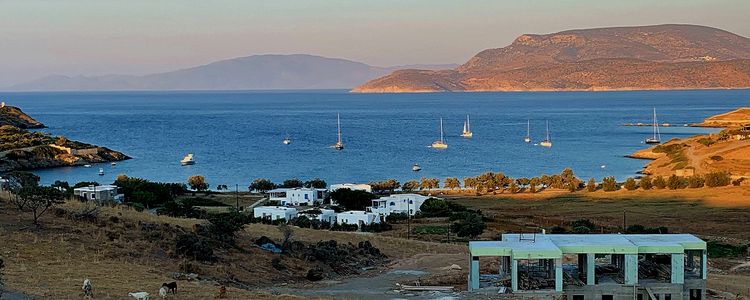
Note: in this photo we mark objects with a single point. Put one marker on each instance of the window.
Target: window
(696, 294)
(607, 297)
(667, 296)
(640, 296)
(93, 195)
(393, 203)
(578, 297)
(411, 202)
(307, 197)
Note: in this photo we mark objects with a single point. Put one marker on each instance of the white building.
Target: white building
(102, 193)
(327, 215)
(273, 213)
(397, 203)
(352, 186)
(297, 196)
(357, 217)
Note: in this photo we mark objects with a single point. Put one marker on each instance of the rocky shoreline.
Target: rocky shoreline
(21, 149)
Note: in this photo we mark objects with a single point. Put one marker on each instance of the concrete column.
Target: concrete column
(590, 269)
(558, 275)
(474, 273)
(678, 268)
(704, 266)
(514, 275)
(631, 269)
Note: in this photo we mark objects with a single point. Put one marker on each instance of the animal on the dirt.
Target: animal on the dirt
(163, 292)
(88, 291)
(171, 287)
(140, 295)
(222, 292)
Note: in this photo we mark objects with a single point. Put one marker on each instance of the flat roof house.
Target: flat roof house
(322, 214)
(273, 213)
(397, 203)
(594, 266)
(101, 193)
(352, 186)
(297, 196)
(357, 217)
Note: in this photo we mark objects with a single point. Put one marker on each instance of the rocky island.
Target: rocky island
(658, 57)
(21, 149)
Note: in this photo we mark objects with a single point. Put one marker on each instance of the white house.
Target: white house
(273, 213)
(99, 193)
(352, 186)
(357, 217)
(327, 215)
(397, 203)
(297, 196)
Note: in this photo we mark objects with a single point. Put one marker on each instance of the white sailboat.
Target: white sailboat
(528, 132)
(416, 168)
(656, 139)
(101, 172)
(286, 140)
(187, 160)
(440, 144)
(339, 144)
(547, 142)
(467, 129)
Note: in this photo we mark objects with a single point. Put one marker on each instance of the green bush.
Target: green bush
(659, 182)
(558, 230)
(716, 179)
(630, 184)
(716, 158)
(583, 223)
(646, 183)
(591, 185)
(581, 230)
(471, 225)
(706, 141)
(192, 246)
(676, 182)
(302, 222)
(640, 229)
(609, 184)
(352, 200)
(719, 249)
(695, 181)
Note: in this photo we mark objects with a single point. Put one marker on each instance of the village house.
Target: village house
(593, 266)
(397, 203)
(357, 217)
(297, 196)
(273, 213)
(352, 186)
(101, 193)
(323, 215)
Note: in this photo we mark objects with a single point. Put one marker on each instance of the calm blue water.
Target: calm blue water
(236, 136)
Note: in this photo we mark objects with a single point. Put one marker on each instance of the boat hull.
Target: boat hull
(546, 144)
(187, 163)
(439, 145)
(467, 135)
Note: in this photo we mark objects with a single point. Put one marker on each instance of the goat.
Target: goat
(163, 292)
(139, 295)
(172, 287)
(87, 289)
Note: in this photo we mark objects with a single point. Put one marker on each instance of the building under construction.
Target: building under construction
(591, 266)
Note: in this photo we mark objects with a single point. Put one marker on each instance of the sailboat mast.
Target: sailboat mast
(441, 129)
(468, 124)
(528, 128)
(548, 130)
(656, 127)
(338, 125)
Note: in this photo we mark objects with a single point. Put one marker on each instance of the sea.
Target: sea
(236, 136)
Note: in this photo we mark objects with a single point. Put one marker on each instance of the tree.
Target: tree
(316, 183)
(39, 199)
(410, 186)
(146, 198)
(452, 183)
(292, 183)
(609, 184)
(591, 185)
(220, 187)
(388, 185)
(429, 183)
(198, 183)
(676, 182)
(435, 207)
(646, 183)
(630, 184)
(352, 200)
(695, 181)
(533, 183)
(659, 182)
(523, 181)
(513, 187)
(262, 185)
(469, 182)
(716, 179)
(471, 225)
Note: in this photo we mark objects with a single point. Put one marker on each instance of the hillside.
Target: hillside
(257, 72)
(737, 117)
(14, 116)
(621, 58)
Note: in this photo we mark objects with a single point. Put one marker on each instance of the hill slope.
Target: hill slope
(297, 71)
(14, 116)
(621, 58)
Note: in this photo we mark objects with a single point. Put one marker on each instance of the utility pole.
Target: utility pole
(237, 195)
(408, 221)
(624, 221)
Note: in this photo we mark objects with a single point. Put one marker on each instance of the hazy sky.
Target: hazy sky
(94, 37)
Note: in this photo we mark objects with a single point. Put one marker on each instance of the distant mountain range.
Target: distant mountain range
(257, 72)
(620, 58)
